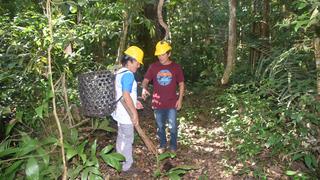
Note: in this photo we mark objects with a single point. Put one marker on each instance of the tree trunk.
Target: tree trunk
(254, 54)
(123, 38)
(260, 31)
(160, 19)
(231, 43)
(145, 39)
(317, 58)
(54, 110)
(265, 31)
(2, 135)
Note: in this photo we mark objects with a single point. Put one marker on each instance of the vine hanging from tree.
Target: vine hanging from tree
(160, 19)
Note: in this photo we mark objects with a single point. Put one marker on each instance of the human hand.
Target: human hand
(145, 93)
(139, 105)
(178, 105)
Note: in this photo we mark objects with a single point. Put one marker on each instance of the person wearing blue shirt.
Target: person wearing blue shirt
(126, 88)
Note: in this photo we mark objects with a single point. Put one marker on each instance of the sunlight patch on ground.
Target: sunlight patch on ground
(201, 138)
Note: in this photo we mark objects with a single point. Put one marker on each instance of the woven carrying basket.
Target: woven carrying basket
(97, 93)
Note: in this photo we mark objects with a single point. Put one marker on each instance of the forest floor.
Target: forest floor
(204, 153)
(201, 145)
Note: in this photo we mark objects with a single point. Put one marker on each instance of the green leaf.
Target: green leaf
(308, 161)
(32, 169)
(9, 177)
(93, 149)
(39, 111)
(71, 152)
(83, 157)
(93, 176)
(5, 145)
(174, 176)
(80, 148)
(74, 136)
(73, 9)
(91, 170)
(106, 149)
(9, 151)
(300, 24)
(178, 171)
(166, 155)
(313, 161)
(44, 155)
(19, 115)
(85, 174)
(302, 5)
(157, 173)
(81, 2)
(28, 146)
(74, 173)
(49, 140)
(45, 106)
(272, 140)
(94, 170)
(297, 156)
(49, 94)
(117, 156)
(291, 173)
(12, 169)
(9, 127)
(90, 163)
(112, 161)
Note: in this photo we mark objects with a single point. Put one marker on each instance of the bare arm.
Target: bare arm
(145, 91)
(181, 94)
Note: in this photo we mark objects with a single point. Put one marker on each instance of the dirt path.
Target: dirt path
(200, 146)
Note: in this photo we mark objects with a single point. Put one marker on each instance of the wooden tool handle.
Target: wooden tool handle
(151, 147)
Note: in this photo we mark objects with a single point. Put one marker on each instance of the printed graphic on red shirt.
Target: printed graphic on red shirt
(164, 77)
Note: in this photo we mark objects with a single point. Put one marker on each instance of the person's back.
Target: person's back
(124, 81)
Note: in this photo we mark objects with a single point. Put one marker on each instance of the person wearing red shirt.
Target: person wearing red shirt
(165, 75)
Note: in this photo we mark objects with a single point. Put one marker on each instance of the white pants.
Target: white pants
(124, 144)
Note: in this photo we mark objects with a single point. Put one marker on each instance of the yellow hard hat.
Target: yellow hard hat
(135, 52)
(162, 47)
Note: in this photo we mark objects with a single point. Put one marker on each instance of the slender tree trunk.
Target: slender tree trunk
(260, 31)
(265, 31)
(66, 99)
(123, 38)
(160, 19)
(2, 135)
(65, 168)
(231, 43)
(317, 58)
(265, 27)
(147, 40)
(256, 31)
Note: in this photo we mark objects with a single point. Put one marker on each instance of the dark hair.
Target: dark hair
(125, 59)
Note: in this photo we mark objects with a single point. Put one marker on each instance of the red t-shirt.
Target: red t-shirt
(165, 79)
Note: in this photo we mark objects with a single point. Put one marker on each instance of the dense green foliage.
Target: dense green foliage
(268, 109)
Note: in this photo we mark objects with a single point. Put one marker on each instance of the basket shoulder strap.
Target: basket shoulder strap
(121, 95)
(122, 72)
